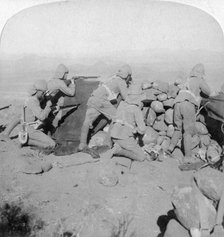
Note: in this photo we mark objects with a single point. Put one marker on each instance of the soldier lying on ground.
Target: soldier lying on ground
(101, 98)
(186, 104)
(33, 115)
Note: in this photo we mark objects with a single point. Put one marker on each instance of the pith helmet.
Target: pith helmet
(124, 71)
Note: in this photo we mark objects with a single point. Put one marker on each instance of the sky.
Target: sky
(99, 27)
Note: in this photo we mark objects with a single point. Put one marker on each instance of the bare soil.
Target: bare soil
(72, 197)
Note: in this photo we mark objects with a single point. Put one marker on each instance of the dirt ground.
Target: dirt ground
(73, 195)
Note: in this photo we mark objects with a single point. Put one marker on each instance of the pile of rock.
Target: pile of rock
(158, 113)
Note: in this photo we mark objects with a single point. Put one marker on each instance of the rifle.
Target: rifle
(84, 77)
(56, 109)
(67, 82)
(5, 107)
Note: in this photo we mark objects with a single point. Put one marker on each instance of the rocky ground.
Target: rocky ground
(87, 197)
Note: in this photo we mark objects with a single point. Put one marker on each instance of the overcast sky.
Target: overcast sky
(98, 27)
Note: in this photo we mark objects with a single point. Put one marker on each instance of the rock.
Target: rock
(186, 202)
(108, 178)
(157, 106)
(169, 116)
(98, 220)
(170, 130)
(151, 94)
(151, 117)
(175, 229)
(201, 128)
(162, 97)
(46, 166)
(146, 85)
(195, 141)
(161, 86)
(168, 103)
(161, 117)
(162, 133)
(150, 136)
(160, 126)
(145, 111)
(201, 118)
(123, 161)
(213, 154)
(210, 182)
(173, 91)
(99, 139)
(178, 154)
(160, 139)
(205, 139)
(215, 143)
(165, 144)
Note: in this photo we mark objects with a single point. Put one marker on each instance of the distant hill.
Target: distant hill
(150, 64)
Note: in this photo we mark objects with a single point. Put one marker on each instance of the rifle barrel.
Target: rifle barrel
(5, 107)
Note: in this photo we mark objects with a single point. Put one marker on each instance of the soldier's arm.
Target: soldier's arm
(122, 89)
(67, 90)
(39, 113)
(205, 88)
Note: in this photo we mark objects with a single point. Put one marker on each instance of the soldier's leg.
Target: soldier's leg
(39, 139)
(91, 116)
(130, 149)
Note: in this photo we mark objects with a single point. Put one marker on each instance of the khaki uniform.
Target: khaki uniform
(129, 120)
(100, 103)
(33, 112)
(186, 105)
(56, 85)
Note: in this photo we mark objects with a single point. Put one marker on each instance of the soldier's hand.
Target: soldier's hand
(72, 80)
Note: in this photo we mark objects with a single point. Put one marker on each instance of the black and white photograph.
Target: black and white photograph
(111, 118)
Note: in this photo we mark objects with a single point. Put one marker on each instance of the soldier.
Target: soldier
(186, 104)
(128, 122)
(101, 98)
(57, 83)
(58, 87)
(33, 116)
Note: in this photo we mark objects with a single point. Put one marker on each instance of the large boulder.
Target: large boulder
(165, 144)
(170, 130)
(201, 128)
(100, 139)
(160, 126)
(161, 86)
(150, 136)
(162, 97)
(173, 91)
(178, 155)
(168, 103)
(175, 229)
(169, 116)
(189, 203)
(210, 182)
(213, 153)
(151, 117)
(157, 106)
(205, 139)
